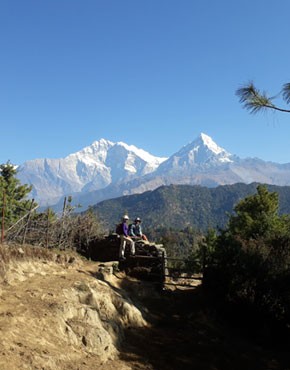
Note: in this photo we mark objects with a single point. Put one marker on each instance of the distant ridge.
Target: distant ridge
(106, 170)
(184, 206)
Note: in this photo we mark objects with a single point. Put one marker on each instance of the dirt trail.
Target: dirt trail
(67, 316)
(185, 335)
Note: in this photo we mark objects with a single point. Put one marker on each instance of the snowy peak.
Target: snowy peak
(98, 151)
(210, 144)
(94, 167)
(203, 151)
(206, 150)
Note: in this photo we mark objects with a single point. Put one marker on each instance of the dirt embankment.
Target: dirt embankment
(58, 312)
(57, 315)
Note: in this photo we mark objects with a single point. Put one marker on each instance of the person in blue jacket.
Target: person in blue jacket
(135, 229)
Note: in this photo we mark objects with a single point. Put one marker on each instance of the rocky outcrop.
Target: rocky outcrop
(60, 316)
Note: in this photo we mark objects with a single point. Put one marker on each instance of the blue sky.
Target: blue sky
(153, 73)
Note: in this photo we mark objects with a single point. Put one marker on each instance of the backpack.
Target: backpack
(119, 229)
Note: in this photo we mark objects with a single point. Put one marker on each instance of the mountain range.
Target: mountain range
(106, 170)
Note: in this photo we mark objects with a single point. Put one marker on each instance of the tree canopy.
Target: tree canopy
(256, 215)
(248, 270)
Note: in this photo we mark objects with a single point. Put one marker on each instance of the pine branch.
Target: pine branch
(286, 92)
(255, 101)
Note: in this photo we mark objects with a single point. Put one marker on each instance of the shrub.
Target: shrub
(249, 269)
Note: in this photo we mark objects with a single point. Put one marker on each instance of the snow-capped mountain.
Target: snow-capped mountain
(92, 168)
(107, 170)
(203, 162)
(201, 153)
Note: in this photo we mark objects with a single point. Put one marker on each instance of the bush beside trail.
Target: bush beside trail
(248, 273)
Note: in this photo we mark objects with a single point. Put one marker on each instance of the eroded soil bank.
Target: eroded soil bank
(58, 315)
(63, 313)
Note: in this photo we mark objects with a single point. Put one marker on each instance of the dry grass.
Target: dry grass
(14, 252)
(17, 252)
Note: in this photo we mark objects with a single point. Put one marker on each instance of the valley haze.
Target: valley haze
(106, 170)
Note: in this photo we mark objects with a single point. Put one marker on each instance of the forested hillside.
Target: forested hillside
(184, 206)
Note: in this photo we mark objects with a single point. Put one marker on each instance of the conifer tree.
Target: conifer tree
(13, 195)
(257, 215)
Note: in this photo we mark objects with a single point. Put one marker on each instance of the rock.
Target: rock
(106, 270)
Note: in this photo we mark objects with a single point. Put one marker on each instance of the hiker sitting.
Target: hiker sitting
(135, 230)
(125, 238)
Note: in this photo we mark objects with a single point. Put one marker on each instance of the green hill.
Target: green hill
(183, 206)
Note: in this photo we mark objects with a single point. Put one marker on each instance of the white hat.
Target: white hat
(125, 217)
